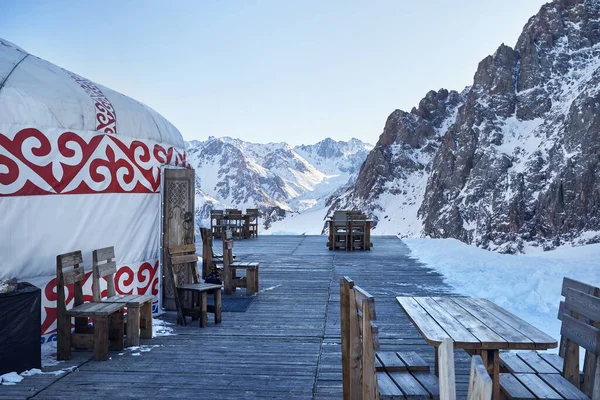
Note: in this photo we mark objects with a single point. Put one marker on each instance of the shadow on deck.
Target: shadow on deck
(286, 345)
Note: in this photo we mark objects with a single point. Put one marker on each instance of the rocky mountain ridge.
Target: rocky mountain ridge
(511, 161)
(277, 178)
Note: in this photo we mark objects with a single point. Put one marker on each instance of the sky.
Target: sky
(274, 70)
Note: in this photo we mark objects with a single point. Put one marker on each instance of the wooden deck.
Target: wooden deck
(286, 345)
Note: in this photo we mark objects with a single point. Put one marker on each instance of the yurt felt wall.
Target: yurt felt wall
(80, 169)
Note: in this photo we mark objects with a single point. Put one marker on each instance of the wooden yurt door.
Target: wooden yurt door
(178, 221)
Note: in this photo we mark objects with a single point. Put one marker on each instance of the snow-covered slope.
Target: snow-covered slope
(534, 279)
(279, 179)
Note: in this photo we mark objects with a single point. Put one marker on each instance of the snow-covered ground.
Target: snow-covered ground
(527, 285)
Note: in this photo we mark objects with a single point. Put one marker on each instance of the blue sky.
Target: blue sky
(273, 70)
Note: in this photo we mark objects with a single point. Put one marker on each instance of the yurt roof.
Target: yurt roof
(36, 93)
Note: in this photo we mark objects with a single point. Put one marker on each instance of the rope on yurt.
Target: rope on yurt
(12, 70)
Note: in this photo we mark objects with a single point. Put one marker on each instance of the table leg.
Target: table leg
(491, 359)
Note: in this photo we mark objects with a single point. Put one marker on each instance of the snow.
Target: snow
(161, 328)
(528, 285)
(11, 378)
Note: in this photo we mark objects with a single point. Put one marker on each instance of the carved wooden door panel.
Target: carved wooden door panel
(178, 222)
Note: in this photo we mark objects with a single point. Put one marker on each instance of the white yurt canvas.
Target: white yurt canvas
(80, 169)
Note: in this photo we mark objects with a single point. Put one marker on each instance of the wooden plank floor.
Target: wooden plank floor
(286, 345)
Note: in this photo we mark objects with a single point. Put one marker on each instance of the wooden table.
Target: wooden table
(233, 221)
(476, 325)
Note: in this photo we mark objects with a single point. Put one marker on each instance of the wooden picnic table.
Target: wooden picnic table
(477, 326)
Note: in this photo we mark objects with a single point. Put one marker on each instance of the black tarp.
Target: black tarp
(20, 329)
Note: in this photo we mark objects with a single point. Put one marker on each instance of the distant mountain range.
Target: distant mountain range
(510, 162)
(280, 179)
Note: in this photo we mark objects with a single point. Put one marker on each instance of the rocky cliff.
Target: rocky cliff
(510, 162)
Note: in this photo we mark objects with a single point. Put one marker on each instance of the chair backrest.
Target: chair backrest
(360, 340)
(216, 213)
(340, 218)
(580, 316)
(207, 251)
(179, 257)
(68, 271)
(252, 213)
(103, 265)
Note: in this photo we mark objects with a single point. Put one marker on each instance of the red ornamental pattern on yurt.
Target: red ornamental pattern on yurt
(105, 115)
(33, 164)
(127, 282)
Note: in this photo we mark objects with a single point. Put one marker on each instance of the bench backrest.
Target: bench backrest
(68, 271)
(182, 256)
(233, 211)
(103, 265)
(360, 341)
(580, 317)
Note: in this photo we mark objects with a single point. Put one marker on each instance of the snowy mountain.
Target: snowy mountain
(279, 179)
(510, 162)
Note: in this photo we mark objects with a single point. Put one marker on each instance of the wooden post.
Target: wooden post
(133, 325)
(116, 331)
(63, 322)
(146, 320)
(176, 293)
(369, 376)
(217, 306)
(345, 285)
(571, 364)
(446, 364)
(480, 383)
(355, 349)
(204, 310)
(101, 338)
(226, 269)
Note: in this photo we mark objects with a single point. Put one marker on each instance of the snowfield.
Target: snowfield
(527, 285)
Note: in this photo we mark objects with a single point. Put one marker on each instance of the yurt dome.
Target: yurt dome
(38, 93)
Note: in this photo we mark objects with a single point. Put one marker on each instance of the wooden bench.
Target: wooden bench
(108, 324)
(370, 374)
(540, 375)
(230, 278)
(191, 297)
(138, 320)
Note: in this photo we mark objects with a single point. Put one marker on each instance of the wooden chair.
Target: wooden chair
(235, 222)
(108, 325)
(195, 303)
(216, 222)
(357, 226)
(368, 374)
(230, 267)
(340, 230)
(532, 374)
(139, 307)
(253, 215)
(211, 261)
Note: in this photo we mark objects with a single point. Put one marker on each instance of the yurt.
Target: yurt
(82, 167)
